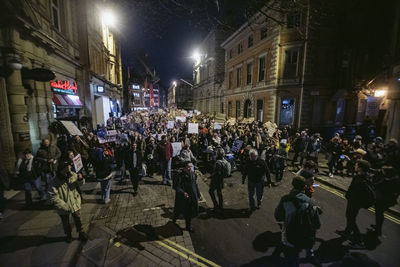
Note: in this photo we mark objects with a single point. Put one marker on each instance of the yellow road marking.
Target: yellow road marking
(333, 191)
(189, 251)
(181, 254)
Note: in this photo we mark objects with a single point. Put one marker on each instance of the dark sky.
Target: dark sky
(169, 51)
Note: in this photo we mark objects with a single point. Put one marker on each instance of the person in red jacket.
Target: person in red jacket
(165, 153)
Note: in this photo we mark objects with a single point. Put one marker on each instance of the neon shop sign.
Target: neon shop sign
(64, 87)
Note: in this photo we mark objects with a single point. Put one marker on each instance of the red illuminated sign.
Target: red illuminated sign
(64, 87)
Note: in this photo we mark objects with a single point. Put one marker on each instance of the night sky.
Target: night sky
(168, 44)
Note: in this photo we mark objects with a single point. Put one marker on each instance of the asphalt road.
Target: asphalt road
(238, 238)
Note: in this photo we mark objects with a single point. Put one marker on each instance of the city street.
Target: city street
(137, 231)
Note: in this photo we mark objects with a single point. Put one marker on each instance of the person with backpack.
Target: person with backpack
(359, 195)
(222, 169)
(102, 166)
(255, 169)
(299, 220)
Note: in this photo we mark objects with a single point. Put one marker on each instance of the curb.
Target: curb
(390, 210)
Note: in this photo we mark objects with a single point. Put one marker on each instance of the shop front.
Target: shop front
(66, 101)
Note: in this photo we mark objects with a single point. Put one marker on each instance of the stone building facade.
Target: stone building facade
(208, 74)
(278, 73)
(46, 69)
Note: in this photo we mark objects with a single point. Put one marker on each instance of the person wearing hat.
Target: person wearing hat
(280, 160)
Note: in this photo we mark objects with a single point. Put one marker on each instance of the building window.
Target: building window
(230, 53)
(55, 14)
(263, 32)
(222, 107)
(230, 79)
(229, 109)
(291, 60)
(250, 41)
(247, 109)
(240, 48)
(261, 69)
(237, 108)
(293, 20)
(238, 77)
(249, 72)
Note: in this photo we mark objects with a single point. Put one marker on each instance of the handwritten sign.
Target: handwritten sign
(170, 125)
(193, 128)
(176, 148)
(78, 165)
(110, 136)
(71, 128)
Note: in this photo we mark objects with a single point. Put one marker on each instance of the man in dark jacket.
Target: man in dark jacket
(284, 214)
(217, 180)
(355, 196)
(165, 153)
(255, 169)
(187, 195)
(47, 157)
(134, 166)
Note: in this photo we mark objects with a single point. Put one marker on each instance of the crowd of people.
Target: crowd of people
(141, 145)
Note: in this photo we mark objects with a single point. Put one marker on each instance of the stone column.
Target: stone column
(18, 111)
(7, 155)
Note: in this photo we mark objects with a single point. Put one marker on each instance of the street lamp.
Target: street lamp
(108, 18)
(196, 56)
(380, 93)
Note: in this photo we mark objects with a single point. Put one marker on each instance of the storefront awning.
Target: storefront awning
(67, 100)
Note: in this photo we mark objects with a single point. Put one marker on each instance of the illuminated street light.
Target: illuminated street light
(174, 83)
(196, 56)
(108, 18)
(380, 93)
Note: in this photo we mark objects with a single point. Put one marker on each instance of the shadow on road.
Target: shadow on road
(140, 233)
(355, 259)
(266, 240)
(10, 244)
(225, 214)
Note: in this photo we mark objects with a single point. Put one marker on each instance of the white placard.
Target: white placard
(170, 125)
(217, 126)
(193, 128)
(78, 163)
(176, 147)
(71, 128)
(180, 118)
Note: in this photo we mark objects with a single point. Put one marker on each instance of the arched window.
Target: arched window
(247, 109)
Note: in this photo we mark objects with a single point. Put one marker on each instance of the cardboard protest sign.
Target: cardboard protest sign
(78, 165)
(176, 148)
(217, 126)
(71, 128)
(170, 125)
(193, 128)
(180, 118)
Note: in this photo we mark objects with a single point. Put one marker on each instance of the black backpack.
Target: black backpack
(301, 229)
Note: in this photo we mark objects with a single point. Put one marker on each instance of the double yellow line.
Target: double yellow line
(333, 191)
(185, 253)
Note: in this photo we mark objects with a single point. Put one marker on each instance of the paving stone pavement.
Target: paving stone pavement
(137, 230)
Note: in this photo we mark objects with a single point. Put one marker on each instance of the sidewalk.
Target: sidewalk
(128, 231)
(338, 182)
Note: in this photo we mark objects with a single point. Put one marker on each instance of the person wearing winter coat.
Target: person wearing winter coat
(134, 163)
(187, 196)
(103, 159)
(67, 200)
(27, 172)
(165, 153)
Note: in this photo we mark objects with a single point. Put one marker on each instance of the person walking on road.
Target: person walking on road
(187, 195)
(217, 180)
(165, 153)
(256, 170)
(297, 234)
(67, 200)
(104, 173)
(135, 161)
(358, 196)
